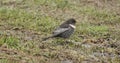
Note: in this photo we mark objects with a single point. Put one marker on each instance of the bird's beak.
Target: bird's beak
(72, 26)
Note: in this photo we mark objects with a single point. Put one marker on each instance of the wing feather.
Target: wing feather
(59, 31)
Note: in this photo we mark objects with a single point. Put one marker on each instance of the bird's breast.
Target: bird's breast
(72, 26)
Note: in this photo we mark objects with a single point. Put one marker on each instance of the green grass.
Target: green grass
(21, 18)
(8, 61)
(12, 42)
(23, 24)
(55, 3)
(96, 30)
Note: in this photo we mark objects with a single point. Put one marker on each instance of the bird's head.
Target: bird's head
(68, 23)
(71, 21)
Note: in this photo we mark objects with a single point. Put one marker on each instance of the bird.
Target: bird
(65, 30)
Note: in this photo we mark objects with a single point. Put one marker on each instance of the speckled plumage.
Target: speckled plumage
(64, 30)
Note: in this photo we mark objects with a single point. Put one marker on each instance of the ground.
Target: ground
(23, 24)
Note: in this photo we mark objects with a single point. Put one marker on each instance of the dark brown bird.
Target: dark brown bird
(64, 30)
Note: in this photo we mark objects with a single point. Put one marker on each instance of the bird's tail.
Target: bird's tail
(44, 39)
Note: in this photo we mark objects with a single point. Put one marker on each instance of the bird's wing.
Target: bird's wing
(59, 31)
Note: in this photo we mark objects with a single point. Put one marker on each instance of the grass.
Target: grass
(23, 24)
(26, 19)
(12, 42)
